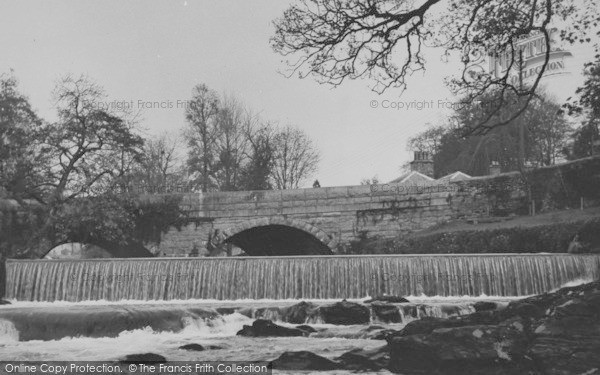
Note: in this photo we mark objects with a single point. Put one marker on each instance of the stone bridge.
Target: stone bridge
(310, 221)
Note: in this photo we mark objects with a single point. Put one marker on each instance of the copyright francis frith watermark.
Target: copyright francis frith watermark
(418, 278)
(412, 189)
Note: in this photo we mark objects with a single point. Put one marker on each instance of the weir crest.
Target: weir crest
(297, 277)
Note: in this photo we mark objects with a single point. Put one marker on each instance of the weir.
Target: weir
(295, 277)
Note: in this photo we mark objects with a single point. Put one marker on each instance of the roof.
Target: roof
(456, 176)
(412, 177)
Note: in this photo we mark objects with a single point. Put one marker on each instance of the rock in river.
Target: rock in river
(144, 358)
(199, 348)
(298, 313)
(302, 361)
(345, 313)
(551, 334)
(386, 312)
(386, 298)
(265, 328)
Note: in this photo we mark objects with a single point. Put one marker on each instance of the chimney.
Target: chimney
(423, 163)
(495, 168)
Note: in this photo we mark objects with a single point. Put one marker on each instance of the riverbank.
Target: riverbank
(555, 333)
(549, 232)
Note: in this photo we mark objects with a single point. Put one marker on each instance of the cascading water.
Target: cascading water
(302, 277)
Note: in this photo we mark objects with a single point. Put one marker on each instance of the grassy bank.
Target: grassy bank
(550, 233)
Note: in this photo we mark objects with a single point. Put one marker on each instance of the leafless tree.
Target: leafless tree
(429, 140)
(295, 160)
(383, 40)
(201, 134)
(256, 173)
(231, 144)
(85, 142)
(159, 168)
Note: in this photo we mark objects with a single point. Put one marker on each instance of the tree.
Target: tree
(336, 40)
(158, 170)
(428, 140)
(256, 174)
(21, 159)
(589, 93)
(587, 105)
(295, 160)
(85, 142)
(545, 130)
(584, 140)
(201, 134)
(548, 130)
(96, 220)
(233, 149)
(68, 166)
(231, 145)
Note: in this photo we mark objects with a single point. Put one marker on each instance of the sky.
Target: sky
(157, 51)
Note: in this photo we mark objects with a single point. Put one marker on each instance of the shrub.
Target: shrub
(554, 238)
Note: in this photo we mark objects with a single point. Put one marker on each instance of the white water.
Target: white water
(57, 285)
(422, 299)
(219, 332)
(330, 341)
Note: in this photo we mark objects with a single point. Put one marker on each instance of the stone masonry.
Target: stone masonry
(334, 215)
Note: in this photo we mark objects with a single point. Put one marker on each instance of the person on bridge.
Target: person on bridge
(316, 184)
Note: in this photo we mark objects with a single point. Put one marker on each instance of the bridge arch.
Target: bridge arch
(95, 249)
(279, 236)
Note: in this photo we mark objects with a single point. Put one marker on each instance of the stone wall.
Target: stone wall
(563, 186)
(339, 215)
(336, 215)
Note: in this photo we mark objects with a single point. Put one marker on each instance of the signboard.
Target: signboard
(533, 52)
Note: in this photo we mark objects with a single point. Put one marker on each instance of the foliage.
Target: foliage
(549, 188)
(553, 238)
(17, 227)
(92, 220)
(21, 161)
(86, 143)
(153, 217)
(157, 169)
(232, 149)
(583, 141)
(428, 140)
(545, 130)
(588, 94)
(256, 174)
(586, 138)
(120, 224)
(383, 41)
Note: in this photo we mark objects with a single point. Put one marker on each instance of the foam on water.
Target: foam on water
(250, 302)
(575, 282)
(216, 332)
(222, 326)
(8, 332)
(127, 342)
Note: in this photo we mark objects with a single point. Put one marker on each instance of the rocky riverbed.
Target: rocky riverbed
(554, 333)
